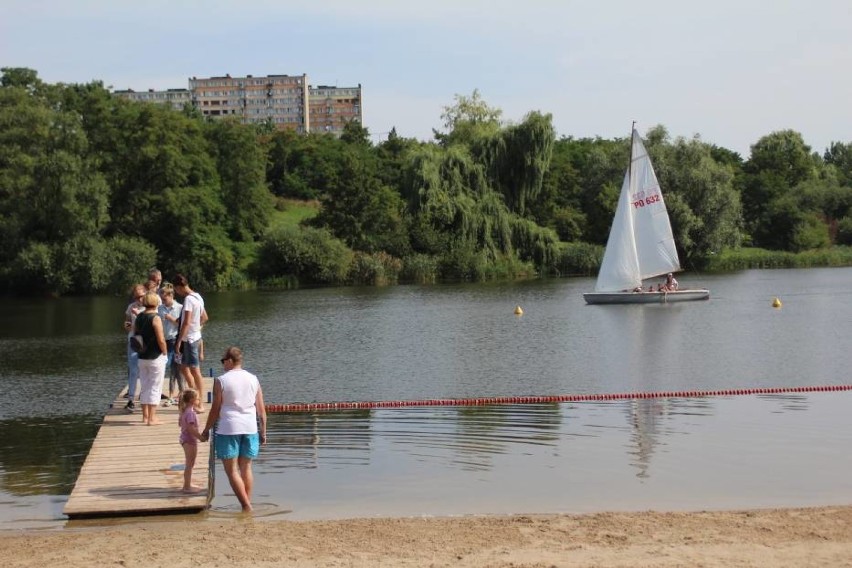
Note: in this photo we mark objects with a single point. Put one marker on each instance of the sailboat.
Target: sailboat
(640, 244)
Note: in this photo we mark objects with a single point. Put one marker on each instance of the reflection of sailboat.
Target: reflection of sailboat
(640, 242)
(645, 416)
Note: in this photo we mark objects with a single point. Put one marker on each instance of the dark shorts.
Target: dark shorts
(190, 354)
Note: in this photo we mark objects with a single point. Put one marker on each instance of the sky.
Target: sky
(729, 71)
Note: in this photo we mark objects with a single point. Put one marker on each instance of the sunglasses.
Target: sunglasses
(225, 359)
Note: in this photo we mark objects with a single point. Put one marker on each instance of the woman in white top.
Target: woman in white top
(671, 283)
(238, 406)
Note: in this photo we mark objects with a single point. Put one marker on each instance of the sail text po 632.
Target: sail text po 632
(649, 200)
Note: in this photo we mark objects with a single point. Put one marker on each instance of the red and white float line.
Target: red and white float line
(318, 406)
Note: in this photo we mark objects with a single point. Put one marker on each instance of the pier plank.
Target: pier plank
(135, 469)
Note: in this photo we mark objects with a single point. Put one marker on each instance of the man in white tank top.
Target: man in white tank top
(239, 409)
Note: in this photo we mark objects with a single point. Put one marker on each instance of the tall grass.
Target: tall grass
(746, 258)
(578, 259)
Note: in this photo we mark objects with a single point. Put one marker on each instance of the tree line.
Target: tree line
(96, 189)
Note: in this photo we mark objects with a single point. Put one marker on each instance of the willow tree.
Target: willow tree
(517, 157)
(449, 192)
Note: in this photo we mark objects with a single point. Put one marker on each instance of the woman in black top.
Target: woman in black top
(152, 359)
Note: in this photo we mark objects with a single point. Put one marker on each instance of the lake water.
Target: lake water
(63, 362)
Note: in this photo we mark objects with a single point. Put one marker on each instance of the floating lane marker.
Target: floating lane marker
(485, 401)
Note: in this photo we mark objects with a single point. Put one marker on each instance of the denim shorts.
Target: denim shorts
(189, 353)
(230, 446)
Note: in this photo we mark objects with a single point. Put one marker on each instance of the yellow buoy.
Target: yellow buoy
(776, 303)
(519, 311)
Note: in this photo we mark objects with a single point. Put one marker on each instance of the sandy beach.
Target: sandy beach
(781, 537)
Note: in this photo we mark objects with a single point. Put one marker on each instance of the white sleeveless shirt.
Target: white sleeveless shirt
(239, 393)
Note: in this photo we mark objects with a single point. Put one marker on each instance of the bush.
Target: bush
(81, 265)
(419, 269)
(87, 263)
(377, 269)
(33, 271)
(312, 255)
(844, 231)
(579, 259)
(810, 234)
(464, 263)
(129, 259)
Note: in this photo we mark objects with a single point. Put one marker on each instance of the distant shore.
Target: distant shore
(819, 536)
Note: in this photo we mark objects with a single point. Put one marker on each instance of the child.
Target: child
(170, 311)
(189, 436)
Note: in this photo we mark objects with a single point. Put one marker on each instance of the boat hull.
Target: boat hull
(646, 297)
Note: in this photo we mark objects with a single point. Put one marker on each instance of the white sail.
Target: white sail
(640, 243)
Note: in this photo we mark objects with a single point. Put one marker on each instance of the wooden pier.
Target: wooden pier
(135, 469)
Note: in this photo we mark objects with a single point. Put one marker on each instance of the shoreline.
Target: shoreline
(818, 536)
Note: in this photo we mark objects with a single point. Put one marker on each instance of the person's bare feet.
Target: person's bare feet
(192, 489)
(154, 423)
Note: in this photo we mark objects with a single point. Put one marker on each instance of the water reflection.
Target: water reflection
(301, 440)
(768, 450)
(463, 437)
(645, 417)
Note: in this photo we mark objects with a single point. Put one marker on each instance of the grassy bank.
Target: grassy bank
(748, 258)
(291, 212)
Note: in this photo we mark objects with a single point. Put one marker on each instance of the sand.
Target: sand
(765, 538)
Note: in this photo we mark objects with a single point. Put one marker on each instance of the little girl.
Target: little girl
(189, 436)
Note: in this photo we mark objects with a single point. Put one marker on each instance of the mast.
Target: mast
(630, 162)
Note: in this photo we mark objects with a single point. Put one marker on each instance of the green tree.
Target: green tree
(839, 156)
(392, 155)
(468, 120)
(354, 133)
(50, 191)
(165, 184)
(600, 166)
(193, 220)
(703, 203)
(443, 188)
(303, 166)
(362, 211)
(517, 157)
(779, 162)
(20, 77)
(559, 203)
(241, 164)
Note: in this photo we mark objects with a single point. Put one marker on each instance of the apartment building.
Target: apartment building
(279, 99)
(177, 98)
(332, 107)
(286, 101)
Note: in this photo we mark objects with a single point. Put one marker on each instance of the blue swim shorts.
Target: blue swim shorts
(189, 354)
(230, 446)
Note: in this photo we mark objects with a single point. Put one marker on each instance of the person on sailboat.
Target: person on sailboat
(671, 284)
